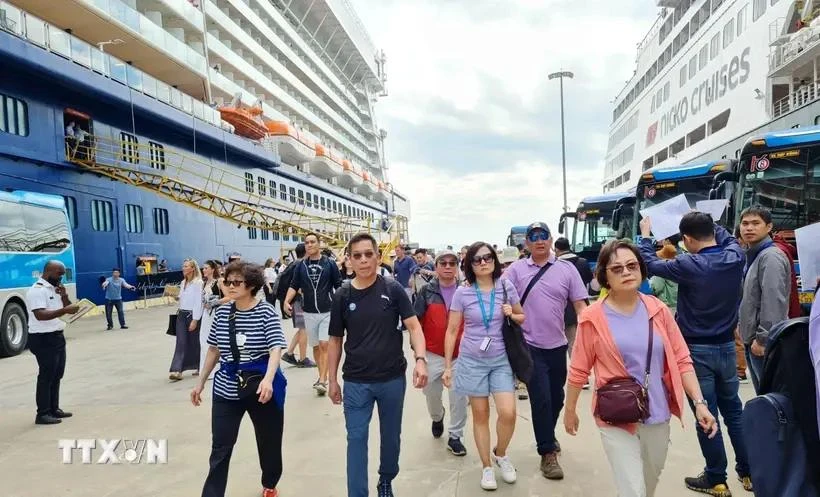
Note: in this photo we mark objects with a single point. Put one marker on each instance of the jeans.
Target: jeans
(49, 349)
(268, 421)
(755, 368)
(109, 305)
(716, 369)
(358, 400)
(546, 389)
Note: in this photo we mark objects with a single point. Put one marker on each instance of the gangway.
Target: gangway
(199, 184)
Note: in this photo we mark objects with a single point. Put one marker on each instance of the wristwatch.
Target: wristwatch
(701, 401)
(421, 359)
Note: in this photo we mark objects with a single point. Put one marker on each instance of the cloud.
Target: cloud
(473, 122)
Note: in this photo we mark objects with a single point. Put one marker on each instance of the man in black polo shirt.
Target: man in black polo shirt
(367, 308)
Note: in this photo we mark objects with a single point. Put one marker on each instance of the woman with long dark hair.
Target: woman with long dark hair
(212, 297)
(483, 367)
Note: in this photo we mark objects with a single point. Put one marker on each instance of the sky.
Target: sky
(473, 123)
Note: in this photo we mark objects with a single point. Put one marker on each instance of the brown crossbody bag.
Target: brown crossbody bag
(623, 400)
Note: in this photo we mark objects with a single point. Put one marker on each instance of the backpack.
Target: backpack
(795, 309)
(282, 283)
(780, 425)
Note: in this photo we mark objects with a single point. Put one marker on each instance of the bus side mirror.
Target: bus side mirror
(724, 177)
(561, 223)
(616, 218)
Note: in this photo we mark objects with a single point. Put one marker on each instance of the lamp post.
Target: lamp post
(561, 75)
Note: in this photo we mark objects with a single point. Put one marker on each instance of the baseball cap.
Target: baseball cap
(445, 253)
(537, 226)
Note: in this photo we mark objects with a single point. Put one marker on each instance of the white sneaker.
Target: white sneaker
(488, 479)
(507, 469)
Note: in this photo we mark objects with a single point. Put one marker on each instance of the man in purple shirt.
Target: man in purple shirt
(544, 306)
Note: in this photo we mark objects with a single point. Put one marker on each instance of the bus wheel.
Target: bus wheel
(13, 330)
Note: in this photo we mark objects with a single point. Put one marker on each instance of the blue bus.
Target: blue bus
(517, 236)
(781, 171)
(593, 224)
(34, 228)
(696, 181)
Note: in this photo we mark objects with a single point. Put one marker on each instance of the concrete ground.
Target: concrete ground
(116, 384)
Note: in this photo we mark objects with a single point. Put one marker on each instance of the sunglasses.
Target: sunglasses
(619, 269)
(367, 255)
(447, 263)
(236, 283)
(538, 235)
(478, 259)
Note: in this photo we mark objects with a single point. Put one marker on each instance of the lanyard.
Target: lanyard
(484, 317)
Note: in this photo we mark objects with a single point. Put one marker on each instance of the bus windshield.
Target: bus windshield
(789, 187)
(517, 236)
(591, 231)
(696, 189)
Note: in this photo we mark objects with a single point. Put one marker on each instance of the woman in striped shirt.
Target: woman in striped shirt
(246, 338)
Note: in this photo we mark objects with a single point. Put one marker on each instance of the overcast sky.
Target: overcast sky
(474, 134)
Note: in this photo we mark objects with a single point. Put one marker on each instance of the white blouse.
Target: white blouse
(190, 298)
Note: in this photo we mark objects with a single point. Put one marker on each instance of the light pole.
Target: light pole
(561, 75)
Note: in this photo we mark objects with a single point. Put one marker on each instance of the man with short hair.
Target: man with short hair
(367, 309)
(546, 285)
(425, 271)
(403, 268)
(47, 300)
(709, 289)
(317, 277)
(766, 287)
(113, 286)
(432, 307)
(300, 337)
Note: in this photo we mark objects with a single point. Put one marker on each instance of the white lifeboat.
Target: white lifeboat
(383, 192)
(295, 146)
(325, 163)
(352, 176)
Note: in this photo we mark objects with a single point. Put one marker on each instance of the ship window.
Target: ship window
(249, 182)
(309, 198)
(714, 46)
(13, 116)
(693, 66)
(161, 226)
(265, 231)
(666, 92)
(322, 201)
(728, 33)
(716, 4)
(816, 120)
(741, 19)
(301, 197)
(683, 75)
(252, 232)
(262, 186)
(275, 235)
(774, 2)
(133, 218)
(129, 145)
(157, 155)
(697, 135)
(758, 9)
(292, 192)
(283, 191)
(102, 215)
(272, 188)
(704, 56)
(719, 122)
(71, 209)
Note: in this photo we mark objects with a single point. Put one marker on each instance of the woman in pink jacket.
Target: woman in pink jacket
(612, 342)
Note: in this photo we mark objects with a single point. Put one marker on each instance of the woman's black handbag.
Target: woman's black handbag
(518, 352)
(172, 325)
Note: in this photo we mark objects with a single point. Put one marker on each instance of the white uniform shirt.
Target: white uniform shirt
(190, 298)
(43, 296)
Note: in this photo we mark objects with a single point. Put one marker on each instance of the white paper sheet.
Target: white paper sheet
(665, 217)
(713, 207)
(808, 253)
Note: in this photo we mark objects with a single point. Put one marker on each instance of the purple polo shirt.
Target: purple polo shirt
(544, 307)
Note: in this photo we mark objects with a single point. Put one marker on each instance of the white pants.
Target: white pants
(636, 460)
(433, 393)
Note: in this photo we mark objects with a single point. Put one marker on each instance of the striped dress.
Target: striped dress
(262, 329)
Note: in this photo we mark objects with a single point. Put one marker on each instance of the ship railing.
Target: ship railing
(803, 95)
(801, 42)
(203, 185)
(59, 42)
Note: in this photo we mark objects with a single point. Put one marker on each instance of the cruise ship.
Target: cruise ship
(207, 129)
(710, 73)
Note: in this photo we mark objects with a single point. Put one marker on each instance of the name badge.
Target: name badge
(485, 344)
(240, 339)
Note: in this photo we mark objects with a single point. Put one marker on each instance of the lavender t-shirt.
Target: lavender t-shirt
(631, 336)
(465, 301)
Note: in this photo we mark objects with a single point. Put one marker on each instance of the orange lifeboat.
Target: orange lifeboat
(245, 119)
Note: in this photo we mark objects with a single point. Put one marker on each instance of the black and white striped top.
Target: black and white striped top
(262, 329)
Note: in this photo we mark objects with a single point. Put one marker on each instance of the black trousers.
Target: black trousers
(49, 349)
(268, 424)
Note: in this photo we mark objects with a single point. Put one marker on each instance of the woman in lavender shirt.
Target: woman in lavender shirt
(483, 367)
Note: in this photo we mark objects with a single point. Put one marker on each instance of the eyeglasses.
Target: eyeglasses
(538, 235)
(478, 259)
(447, 263)
(619, 269)
(367, 255)
(235, 283)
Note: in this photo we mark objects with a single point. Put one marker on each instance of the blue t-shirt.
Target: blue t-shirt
(114, 289)
(403, 269)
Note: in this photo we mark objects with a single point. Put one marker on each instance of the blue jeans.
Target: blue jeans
(358, 400)
(546, 391)
(755, 367)
(716, 369)
(109, 305)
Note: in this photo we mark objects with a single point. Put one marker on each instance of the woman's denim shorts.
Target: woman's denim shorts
(481, 377)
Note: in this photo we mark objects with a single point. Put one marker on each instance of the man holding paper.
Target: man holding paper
(47, 301)
(709, 290)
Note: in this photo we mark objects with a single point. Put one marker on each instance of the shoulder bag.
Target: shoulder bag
(172, 325)
(518, 353)
(248, 380)
(623, 400)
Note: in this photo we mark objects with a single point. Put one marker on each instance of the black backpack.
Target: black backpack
(780, 425)
(282, 283)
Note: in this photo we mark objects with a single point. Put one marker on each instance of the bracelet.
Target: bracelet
(421, 359)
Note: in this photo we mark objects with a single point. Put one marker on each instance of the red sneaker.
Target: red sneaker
(270, 492)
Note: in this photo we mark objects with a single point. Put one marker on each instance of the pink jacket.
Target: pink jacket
(595, 350)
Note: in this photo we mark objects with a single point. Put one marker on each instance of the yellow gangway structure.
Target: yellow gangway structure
(199, 184)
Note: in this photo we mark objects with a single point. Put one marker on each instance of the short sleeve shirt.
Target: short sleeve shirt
(374, 346)
(262, 329)
(42, 296)
(465, 301)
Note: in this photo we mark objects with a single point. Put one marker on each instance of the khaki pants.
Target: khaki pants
(740, 351)
(636, 460)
